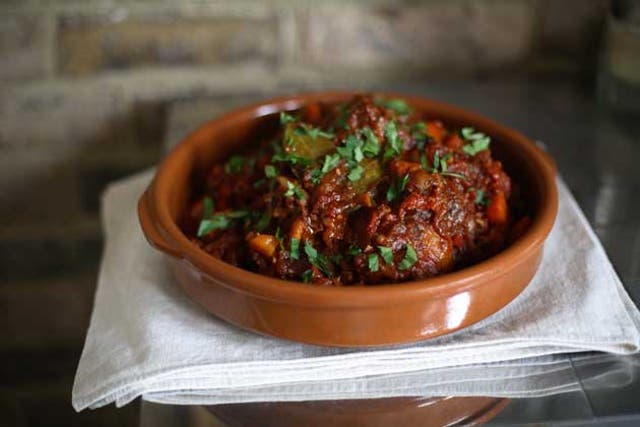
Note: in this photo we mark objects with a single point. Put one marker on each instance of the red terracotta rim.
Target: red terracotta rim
(165, 234)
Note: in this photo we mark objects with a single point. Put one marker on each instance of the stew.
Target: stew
(363, 192)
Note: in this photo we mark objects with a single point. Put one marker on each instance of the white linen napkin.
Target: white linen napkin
(147, 339)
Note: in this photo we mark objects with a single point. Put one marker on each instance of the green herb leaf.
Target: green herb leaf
(454, 175)
(481, 199)
(397, 105)
(318, 260)
(356, 173)
(216, 222)
(220, 221)
(286, 118)
(419, 129)
(278, 236)
(358, 155)
(314, 133)
(478, 141)
(295, 248)
(316, 176)
(307, 276)
(291, 158)
(235, 164)
(436, 162)
(270, 171)
(387, 254)
(293, 189)
(331, 161)
(207, 204)
(371, 146)
(397, 188)
(372, 260)
(348, 150)
(341, 121)
(353, 250)
(440, 166)
(237, 214)
(410, 258)
(394, 143)
(423, 160)
(264, 221)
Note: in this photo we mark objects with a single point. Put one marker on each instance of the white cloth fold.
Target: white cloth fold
(147, 339)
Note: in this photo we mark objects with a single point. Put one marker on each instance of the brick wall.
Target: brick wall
(86, 86)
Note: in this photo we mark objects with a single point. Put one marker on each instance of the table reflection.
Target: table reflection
(566, 388)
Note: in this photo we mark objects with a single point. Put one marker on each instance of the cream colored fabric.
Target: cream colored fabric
(147, 339)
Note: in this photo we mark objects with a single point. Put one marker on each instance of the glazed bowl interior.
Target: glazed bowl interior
(213, 142)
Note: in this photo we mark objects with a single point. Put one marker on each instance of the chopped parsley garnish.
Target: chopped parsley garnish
(293, 189)
(410, 258)
(386, 254)
(236, 214)
(290, 158)
(394, 143)
(235, 164)
(219, 221)
(419, 132)
(279, 238)
(318, 260)
(358, 155)
(270, 171)
(341, 121)
(347, 151)
(316, 176)
(295, 248)
(286, 118)
(355, 173)
(331, 161)
(423, 160)
(440, 166)
(397, 105)
(353, 250)
(215, 222)
(313, 132)
(372, 260)
(263, 222)
(306, 276)
(478, 141)
(396, 189)
(480, 199)
(371, 146)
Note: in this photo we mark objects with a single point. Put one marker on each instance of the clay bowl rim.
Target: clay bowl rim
(164, 233)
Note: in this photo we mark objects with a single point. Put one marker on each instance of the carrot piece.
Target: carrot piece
(297, 229)
(312, 113)
(402, 167)
(454, 141)
(497, 211)
(435, 130)
(266, 244)
(366, 200)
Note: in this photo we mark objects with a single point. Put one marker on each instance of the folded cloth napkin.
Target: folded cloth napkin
(147, 339)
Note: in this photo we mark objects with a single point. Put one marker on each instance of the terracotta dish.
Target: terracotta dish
(386, 412)
(349, 316)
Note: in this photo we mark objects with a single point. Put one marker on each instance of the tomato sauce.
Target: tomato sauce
(363, 192)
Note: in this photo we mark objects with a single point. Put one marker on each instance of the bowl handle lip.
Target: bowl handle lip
(151, 227)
